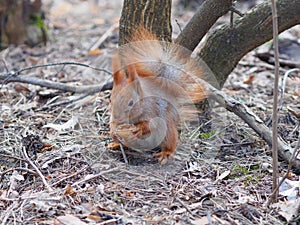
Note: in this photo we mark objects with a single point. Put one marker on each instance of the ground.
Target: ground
(221, 173)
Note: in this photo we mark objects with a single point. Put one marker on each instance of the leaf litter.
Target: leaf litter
(220, 175)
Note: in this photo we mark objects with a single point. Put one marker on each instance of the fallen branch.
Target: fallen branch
(90, 89)
(13, 76)
(242, 111)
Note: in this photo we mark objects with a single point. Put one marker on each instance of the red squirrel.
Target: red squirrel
(154, 86)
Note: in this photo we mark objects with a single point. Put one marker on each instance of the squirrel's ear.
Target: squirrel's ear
(133, 78)
(132, 74)
(118, 73)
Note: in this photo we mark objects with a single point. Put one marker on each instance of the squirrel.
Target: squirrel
(154, 88)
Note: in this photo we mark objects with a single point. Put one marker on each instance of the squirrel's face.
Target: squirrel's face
(126, 94)
(126, 103)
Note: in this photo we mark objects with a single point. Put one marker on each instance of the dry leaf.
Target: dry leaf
(68, 220)
(70, 124)
(34, 61)
(113, 146)
(27, 106)
(69, 190)
(288, 209)
(223, 175)
(41, 205)
(201, 221)
(289, 188)
(14, 182)
(128, 194)
(294, 112)
(96, 51)
(250, 79)
(96, 218)
(48, 147)
(58, 25)
(21, 88)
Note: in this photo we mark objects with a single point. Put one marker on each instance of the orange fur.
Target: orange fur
(161, 79)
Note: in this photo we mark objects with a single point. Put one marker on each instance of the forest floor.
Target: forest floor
(222, 171)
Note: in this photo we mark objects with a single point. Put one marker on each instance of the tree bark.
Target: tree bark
(155, 15)
(201, 22)
(226, 46)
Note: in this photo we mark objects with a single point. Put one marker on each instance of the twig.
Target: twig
(72, 175)
(5, 215)
(208, 215)
(104, 36)
(8, 199)
(290, 164)
(37, 170)
(235, 10)
(269, 58)
(5, 66)
(178, 25)
(184, 205)
(95, 176)
(90, 89)
(282, 89)
(48, 106)
(275, 103)
(17, 168)
(123, 153)
(11, 156)
(110, 221)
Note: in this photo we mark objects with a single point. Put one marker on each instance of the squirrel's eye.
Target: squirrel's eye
(130, 103)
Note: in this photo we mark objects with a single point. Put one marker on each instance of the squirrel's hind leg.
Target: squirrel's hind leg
(169, 144)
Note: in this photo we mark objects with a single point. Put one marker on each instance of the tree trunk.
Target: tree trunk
(155, 15)
(21, 22)
(226, 46)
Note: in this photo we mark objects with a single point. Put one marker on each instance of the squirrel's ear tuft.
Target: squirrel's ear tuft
(133, 79)
(132, 74)
(118, 73)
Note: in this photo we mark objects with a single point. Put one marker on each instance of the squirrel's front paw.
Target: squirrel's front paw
(113, 146)
(127, 133)
(137, 132)
(163, 156)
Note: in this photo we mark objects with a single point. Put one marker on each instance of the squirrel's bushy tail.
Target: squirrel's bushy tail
(167, 65)
(165, 62)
